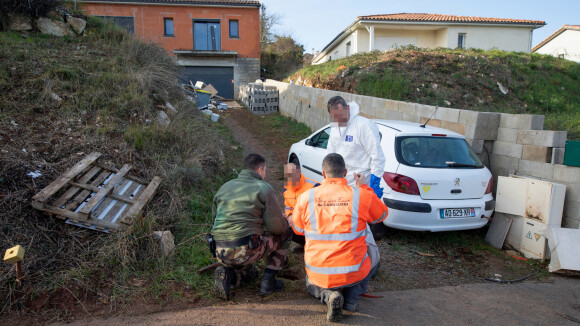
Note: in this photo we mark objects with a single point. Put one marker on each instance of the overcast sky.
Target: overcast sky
(314, 23)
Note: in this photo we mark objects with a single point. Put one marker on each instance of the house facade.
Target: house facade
(386, 32)
(215, 41)
(564, 43)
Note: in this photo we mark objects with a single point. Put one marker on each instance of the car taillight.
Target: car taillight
(401, 183)
(489, 186)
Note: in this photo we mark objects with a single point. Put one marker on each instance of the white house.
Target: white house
(564, 43)
(384, 32)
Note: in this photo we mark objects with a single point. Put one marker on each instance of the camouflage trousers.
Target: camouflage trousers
(274, 247)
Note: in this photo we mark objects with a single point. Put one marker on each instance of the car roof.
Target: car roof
(414, 128)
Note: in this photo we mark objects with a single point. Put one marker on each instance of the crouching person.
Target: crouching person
(249, 224)
(340, 254)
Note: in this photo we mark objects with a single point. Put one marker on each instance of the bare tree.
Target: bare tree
(267, 22)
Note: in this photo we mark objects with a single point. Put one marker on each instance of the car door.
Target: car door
(313, 154)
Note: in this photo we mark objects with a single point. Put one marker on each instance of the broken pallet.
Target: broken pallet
(96, 196)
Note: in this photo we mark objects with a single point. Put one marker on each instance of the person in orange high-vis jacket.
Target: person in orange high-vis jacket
(295, 184)
(339, 259)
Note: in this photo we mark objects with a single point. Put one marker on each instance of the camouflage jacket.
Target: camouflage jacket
(246, 205)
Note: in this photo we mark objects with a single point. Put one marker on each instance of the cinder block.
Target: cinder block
(468, 117)
(536, 169)
(521, 121)
(406, 107)
(507, 149)
(564, 173)
(488, 145)
(454, 126)
(447, 114)
(570, 223)
(504, 162)
(572, 209)
(507, 135)
(537, 153)
(558, 155)
(432, 122)
(394, 115)
(423, 110)
(391, 105)
(477, 145)
(486, 126)
(546, 138)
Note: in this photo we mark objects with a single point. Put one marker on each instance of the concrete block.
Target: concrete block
(391, 105)
(507, 149)
(571, 223)
(521, 121)
(507, 135)
(486, 126)
(447, 114)
(488, 145)
(454, 126)
(537, 153)
(546, 138)
(406, 107)
(424, 110)
(468, 117)
(557, 156)
(432, 122)
(477, 145)
(394, 115)
(536, 169)
(564, 173)
(572, 209)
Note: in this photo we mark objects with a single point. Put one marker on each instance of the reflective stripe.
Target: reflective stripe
(311, 209)
(354, 211)
(289, 208)
(314, 183)
(295, 227)
(334, 237)
(382, 216)
(336, 270)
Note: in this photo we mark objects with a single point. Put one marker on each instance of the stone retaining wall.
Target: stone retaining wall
(507, 143)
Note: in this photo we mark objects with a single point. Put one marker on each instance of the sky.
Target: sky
(314, 23)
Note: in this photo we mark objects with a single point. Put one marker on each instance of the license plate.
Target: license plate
(457, 212)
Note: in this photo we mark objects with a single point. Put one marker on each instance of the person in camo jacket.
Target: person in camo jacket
(249, 224)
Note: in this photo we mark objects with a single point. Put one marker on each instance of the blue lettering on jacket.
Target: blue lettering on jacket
(349, 138)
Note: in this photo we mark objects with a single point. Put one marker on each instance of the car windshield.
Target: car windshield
(436, 152)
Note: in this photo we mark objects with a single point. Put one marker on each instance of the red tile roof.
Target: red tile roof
(448, 18)
(192, 2)
(556, 33)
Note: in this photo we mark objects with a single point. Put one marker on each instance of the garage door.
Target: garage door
(221, 78)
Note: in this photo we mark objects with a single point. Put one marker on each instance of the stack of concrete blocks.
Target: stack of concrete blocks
(506, 143)
(260, 99)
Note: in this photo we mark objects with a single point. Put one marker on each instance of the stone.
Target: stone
(53, 27)
(546, 138)
(78, 25)
(20, 23)
(166, 242)
(170, 107)
(537, 153)
(163, 119)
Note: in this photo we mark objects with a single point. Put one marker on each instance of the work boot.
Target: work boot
(269, 283)
(335, 303)
(223, 277)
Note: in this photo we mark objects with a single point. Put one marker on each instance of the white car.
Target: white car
(433, 181)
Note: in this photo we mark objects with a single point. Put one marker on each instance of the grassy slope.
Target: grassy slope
(536, 84)
(110, 88)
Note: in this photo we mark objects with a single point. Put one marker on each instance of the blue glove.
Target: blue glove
(375, 185)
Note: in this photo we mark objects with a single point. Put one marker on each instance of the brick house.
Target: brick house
(216, 41)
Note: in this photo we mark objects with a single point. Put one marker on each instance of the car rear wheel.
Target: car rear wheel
(295, 160)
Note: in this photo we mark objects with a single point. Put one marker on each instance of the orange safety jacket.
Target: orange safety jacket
(333, 218)
(291, 194)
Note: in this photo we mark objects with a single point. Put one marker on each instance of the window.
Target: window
(348, 49)
(461, 40)
(168, 27)
(335, 55)
(128, 23)
(436, 152)
(234, 32)
(319, 140)
(206, 35)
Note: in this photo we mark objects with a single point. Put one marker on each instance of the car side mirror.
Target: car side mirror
(309, 142)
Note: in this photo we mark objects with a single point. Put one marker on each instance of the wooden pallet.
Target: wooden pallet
(96, 196)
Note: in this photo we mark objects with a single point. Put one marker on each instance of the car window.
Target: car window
(320, 140)
(436, 152)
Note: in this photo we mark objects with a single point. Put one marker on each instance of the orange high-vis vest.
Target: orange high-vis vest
(291, 194)
(333, 218)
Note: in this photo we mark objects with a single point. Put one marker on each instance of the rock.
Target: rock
(78, 25)
(163, 119)
(170, 107)
(51, 27)
(166, 242)
(55, 97)
(20, 23)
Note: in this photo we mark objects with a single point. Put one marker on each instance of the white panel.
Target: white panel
(564, 247)
(511, 195)
(538, 201)
(557, 205)
(533, 239)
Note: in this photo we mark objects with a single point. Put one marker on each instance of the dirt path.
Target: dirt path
(554, 302)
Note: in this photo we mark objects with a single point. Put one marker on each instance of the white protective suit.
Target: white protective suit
(359, 144)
